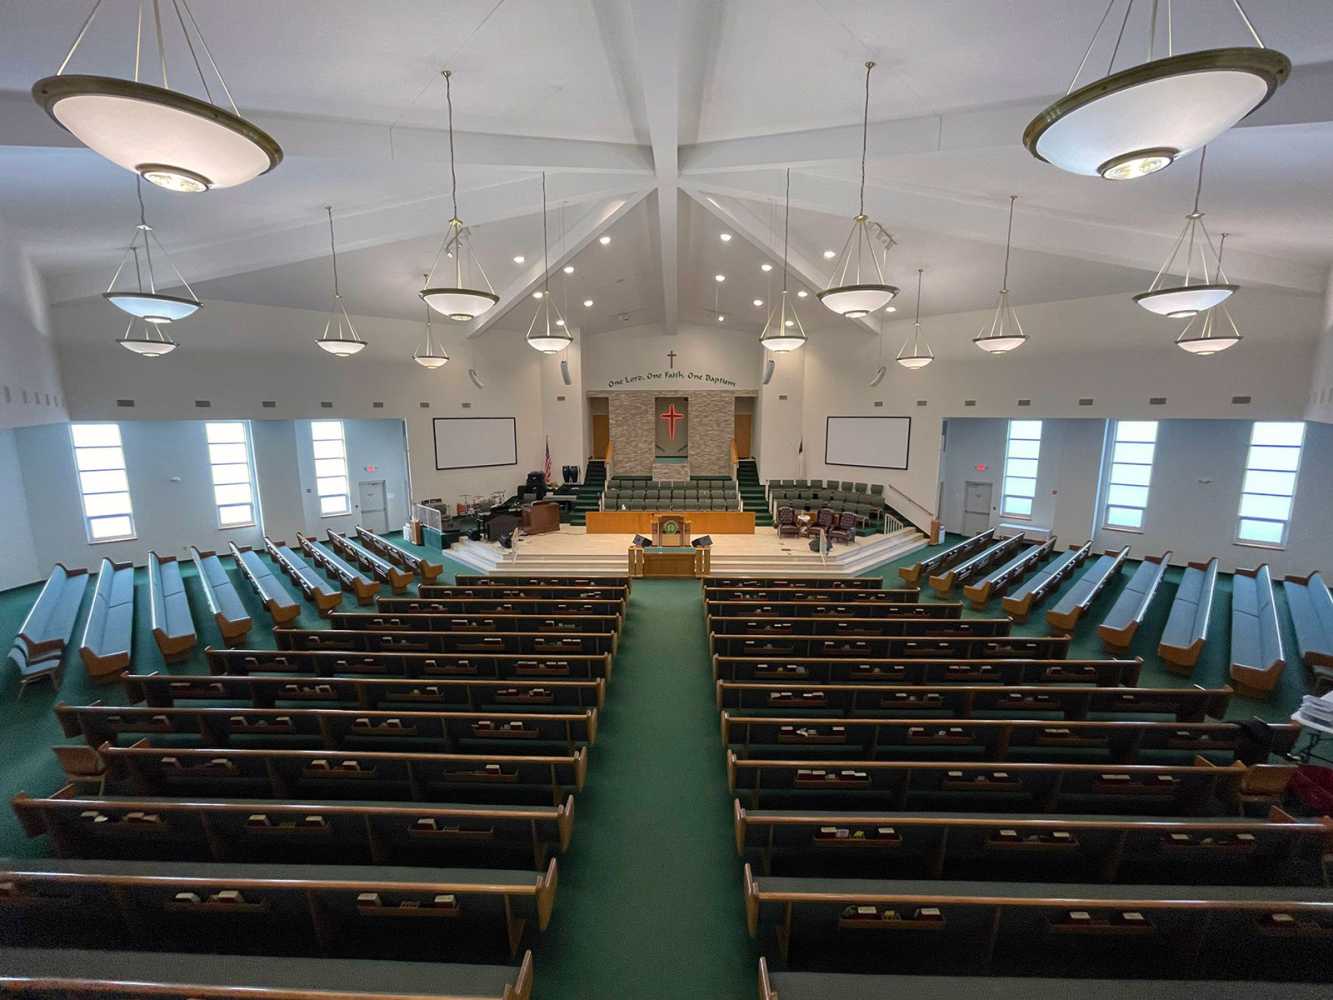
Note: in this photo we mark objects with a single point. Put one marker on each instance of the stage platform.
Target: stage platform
(572, 550)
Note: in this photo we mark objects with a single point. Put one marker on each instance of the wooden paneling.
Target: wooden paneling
(702, 522)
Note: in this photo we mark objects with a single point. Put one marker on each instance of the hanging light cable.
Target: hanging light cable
(1210, 337)
(458, 301)
(339, 337)
(783, 330)
(1202, 288)
(1006, 332)
(148, 304)
(171, 139)
(1134, 122)
(545, 335)
(921, 354)
(430, 354)
(853, 290)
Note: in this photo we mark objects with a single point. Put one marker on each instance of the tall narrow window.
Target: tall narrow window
(1131, 473)
(1020, 467)
(108, 514)
(233, 475)
(330, 467)
(1270, 482)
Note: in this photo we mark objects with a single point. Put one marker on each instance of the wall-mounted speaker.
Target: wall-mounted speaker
(641, 540)
(476, 379)
(564, 372)
(878, 377)
(769, 367)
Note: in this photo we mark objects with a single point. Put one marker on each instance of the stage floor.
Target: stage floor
(574, 540)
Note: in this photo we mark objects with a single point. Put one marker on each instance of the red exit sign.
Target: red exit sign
(981, 466)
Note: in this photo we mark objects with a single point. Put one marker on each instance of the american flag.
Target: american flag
(546, 469)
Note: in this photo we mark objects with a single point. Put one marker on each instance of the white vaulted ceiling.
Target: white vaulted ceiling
(662, 124)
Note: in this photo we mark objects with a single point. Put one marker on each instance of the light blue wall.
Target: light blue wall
(18, 555)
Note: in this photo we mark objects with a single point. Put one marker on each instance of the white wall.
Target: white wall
(636, 358)
(18, 554)
(1320, 405)
(30, 390)
(370, 443)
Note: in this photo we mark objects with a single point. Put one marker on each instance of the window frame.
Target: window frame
(1150, 465)
(1009, 440)
(1295, 473)
(346, 469)
(248, 445)
(123, 469)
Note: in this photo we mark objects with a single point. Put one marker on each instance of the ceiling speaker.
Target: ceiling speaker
(476, 379)
(564, 372)
(769, 367)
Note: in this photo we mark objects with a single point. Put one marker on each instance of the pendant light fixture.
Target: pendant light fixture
(1006, 332)
(148, 304)
(783, 331)
(544, 334)
(855, 290)
(153, 340)
(1202, 288)
(920, 355)
(169, 138)
(458, 301)
(1134, 122)
(339, 338)
(1210, 336)
(430, 354)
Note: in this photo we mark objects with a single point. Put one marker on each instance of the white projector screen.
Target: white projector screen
(870, 442)
(475, 442)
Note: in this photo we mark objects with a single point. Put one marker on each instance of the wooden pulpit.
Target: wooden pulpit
(670, 529)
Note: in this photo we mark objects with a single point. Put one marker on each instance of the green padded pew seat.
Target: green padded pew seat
(266, 585)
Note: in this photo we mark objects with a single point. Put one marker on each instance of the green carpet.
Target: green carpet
(649, 903)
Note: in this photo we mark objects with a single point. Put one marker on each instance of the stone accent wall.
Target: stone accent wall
(671, 472)
(634, 433)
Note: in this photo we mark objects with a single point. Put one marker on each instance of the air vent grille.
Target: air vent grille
(126, 403)
(203, 404)
(1085, 401)
(1025, 402)
(920, 402)
(326, 404)
(424, 406)
(466, 406)
(969, 402)
(1240, 400)
(1157, 401)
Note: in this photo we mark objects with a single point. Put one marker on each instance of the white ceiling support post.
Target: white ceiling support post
(657, 33)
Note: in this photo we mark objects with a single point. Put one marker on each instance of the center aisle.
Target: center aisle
(650, 902)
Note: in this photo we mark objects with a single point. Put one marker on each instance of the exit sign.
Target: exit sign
(981, 466)
(372, 468)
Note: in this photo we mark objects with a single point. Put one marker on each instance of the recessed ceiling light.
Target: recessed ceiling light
(765, 267)
(568, 269)
(721, 318)
(604, 240)
(536, 295)
(890, 309)
(724, 237)
(802, 294)
(830, 254)
(758, 302)
(587, 303)
(719, 277)
(519, 258)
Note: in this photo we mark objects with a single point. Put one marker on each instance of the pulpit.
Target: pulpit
(541, 517)
(670, 529)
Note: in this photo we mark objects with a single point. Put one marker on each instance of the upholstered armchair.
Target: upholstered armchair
(787, 526)
(846, 528)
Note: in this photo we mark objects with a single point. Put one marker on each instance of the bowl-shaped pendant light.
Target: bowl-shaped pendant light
(142, 300)
(1136, 121)
(151, 341)
(1205, 333)
(1005, 333)
(339, 337)
(547, 331)
(783, 331)
(430, 354)
(857, 286)
(915, 352)
(458, 297)
(169, 138)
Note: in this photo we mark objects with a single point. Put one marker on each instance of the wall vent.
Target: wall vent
(424, 406)
(326, 404)
(969, 402)
(879, 402)
(127, 403)
(920, 402)
(1240, 400)
(269, 404)
(466, 406)
(1157, 401)
(203, 404)
(377, 405)
(1025, 402)
(1085, 401)
(782, 395)
(559, 399)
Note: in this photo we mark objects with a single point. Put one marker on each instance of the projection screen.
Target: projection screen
(475, 442)
(870, 442)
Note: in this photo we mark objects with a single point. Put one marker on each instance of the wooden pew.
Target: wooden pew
(444, 621)
(325, 663)
(1131, 607)
(1102, 673)
(169, 609)
(1017, 923)
(806, 625)
(970, 568)
(802, 582)
(310, 583)
(1212, 849)
(333, 728)
(500, 591)
(1066, 615)
(96, 974)
(503, 605)
(398, 555)
(946, 558)
(979, 592)
(555, 643)
(830, 609)
(224, 604)
(343, 910)
(1123, 740)
(1257, 657)
(39, 648)
(1311, 609)
(965, 701)
(810, 595)
(377, 566)
(267, 587)
(108, 631)
(1186, 629)
(506, 580)
(980, 786)
(915, 646)
(268, 691)
(216, 829)
(1019, 602)
(349, 576)
(177, 772)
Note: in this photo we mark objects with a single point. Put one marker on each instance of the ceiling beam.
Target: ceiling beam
(657, 35)
(358, 230)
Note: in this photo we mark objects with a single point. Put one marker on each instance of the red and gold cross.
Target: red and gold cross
(672, 416)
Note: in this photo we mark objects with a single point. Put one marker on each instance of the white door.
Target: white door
(976, 507)
(374, 511)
